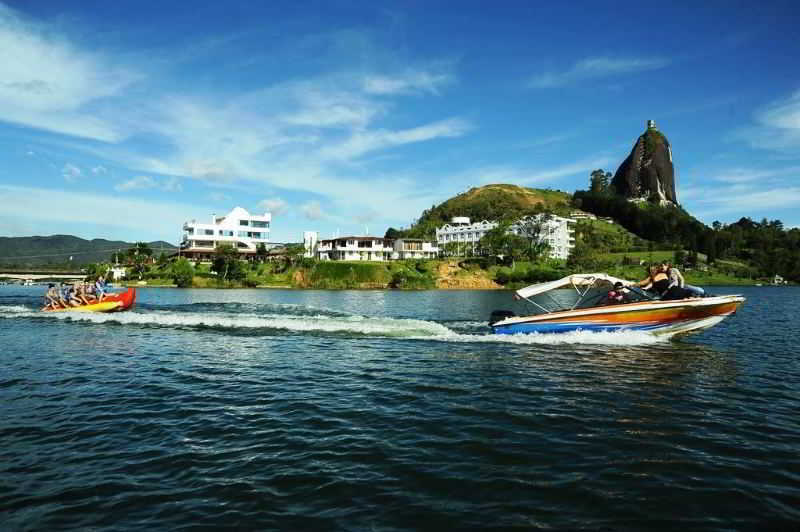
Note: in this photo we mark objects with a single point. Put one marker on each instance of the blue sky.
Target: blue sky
(123, 119)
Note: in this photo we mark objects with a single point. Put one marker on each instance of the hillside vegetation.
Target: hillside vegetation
(490, 202)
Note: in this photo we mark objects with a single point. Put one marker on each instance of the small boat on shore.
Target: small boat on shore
(110, 303)
(580, 302)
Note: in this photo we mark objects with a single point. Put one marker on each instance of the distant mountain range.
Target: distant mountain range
(57, 250)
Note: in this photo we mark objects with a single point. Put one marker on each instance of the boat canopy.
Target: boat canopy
(585, 280)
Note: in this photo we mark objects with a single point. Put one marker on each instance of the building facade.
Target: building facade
(414, 248)
(238, 228)
(310, 240)
(355, 248)
(463, 235)
(558, 232)
(368, 248)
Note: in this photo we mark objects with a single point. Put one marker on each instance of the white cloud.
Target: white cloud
(143, 216)
(71, 172)
(326, 105)
(596, 67)
(99, 170)
(309, 135)
(219, 197)
(276, 206)
(777, 126)
(312, 210)
(747, 199)
(171, 184)
(142, 182)
(367, 215)
(747, 175)
(363, 142)
(137, 183)
(409, 82)
(548, 174)
(50, 82)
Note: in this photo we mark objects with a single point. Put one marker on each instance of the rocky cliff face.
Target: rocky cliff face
(647, 173)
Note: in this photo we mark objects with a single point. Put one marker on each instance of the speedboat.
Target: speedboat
(580, 302)
(110, 303)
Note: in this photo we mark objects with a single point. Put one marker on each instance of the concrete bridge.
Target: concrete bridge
(39, 276)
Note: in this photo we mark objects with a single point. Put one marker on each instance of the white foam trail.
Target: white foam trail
(378, 327)
(575, 337)
(354, 324)
(13, 309)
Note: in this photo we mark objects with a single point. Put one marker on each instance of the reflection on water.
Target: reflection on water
(389, 410)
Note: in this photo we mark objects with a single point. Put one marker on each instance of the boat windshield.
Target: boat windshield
(580, 297)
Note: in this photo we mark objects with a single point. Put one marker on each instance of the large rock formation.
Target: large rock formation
(647, 173)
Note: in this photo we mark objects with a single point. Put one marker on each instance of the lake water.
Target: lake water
(385, 410)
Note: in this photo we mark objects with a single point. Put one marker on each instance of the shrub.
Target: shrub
(182, 273)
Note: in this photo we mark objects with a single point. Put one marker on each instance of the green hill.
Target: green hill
(490, 202)
(57, 249)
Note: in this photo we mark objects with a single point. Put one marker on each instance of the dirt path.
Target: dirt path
(450, 275)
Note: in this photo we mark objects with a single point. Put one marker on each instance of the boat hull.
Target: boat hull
(655, 317)
(111, 303)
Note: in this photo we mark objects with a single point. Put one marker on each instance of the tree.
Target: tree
(294, 253)
(535, 230)
(450, 249)
(140, 248)
(599, 181)
(393, 233)
(94, 271)
(500, 242)
(182, 273)
(227, 264)
(581, 257)
(261, 251)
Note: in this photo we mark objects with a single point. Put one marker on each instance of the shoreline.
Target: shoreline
(389, 289)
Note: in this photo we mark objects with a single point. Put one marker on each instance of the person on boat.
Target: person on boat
(653, 274)
(71, 296)
(100, 288)
(659, 283)
(676, 279)
(616, 295)
(80, 293)
(51, 297)
(88, 291)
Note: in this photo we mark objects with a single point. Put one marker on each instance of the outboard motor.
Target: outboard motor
(499, 315)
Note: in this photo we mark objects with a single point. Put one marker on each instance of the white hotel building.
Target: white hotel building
(239, 228)
(367, 248)
(557, 232)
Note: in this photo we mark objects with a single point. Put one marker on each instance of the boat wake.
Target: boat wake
(274, 321)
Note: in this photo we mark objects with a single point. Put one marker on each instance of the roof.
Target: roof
(578, 279)
(359, 238)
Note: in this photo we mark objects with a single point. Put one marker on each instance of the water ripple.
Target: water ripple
(295, 414)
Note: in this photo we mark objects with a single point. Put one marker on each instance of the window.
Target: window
(208, 231)
(244, 222)
(241, 234)
(256, 223)
(190, 230)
